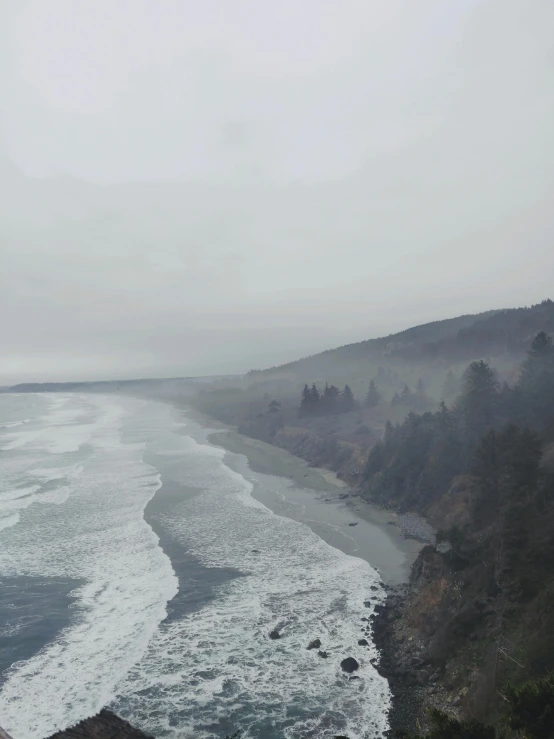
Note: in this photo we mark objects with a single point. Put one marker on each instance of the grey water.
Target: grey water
(138, 570)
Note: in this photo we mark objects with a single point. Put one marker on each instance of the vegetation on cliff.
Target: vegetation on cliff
(484, 602)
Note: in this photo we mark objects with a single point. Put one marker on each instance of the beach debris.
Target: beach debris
(315, 644)
(349, 664)
(355, 523)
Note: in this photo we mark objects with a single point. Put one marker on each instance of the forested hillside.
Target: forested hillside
(425, 351)
(481, 470)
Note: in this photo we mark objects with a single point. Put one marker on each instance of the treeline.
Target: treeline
(331, 400)
(418, 459)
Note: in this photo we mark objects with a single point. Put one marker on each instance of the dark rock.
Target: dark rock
(102, 726)
(363, 643)
(315, 644)
(374, 587)
(274, 634)
(364, 618)
(322, 654)
(353, 524)
(354, 677)
(349, 664)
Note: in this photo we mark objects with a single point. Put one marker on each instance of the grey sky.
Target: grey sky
(211, 186)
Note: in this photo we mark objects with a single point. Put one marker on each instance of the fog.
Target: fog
(205, 188)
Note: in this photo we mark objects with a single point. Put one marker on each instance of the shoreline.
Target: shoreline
(403, 534)
(401, 537)
(318, 498)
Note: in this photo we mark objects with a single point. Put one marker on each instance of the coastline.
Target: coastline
(381, 536)
(390, 542)
(318, 498)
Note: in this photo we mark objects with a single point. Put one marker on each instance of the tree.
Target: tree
(329, 399)
(305, 401)
(348, 402)
(405, 395)
(373, 397)
(309, 401)
(531, 708)
(478, 403)
(536, 381)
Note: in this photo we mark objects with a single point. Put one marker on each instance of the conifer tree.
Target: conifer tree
(536, 382)
(373, 397)
(305, 401)
(405, 395)
(314, 395)
(478, 403)
(348, 402)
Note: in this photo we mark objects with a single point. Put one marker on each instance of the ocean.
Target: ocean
(140, 570)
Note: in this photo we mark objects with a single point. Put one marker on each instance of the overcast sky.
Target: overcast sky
(203, 187)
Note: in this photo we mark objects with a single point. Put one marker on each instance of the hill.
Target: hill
(426, 350)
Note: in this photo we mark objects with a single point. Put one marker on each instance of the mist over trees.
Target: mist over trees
(330, 401)
(373, 397)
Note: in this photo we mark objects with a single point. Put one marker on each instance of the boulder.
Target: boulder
(363, 643)
(274, 634)
(322, 654)
(315, 644)
(104, 724)
(349, 664)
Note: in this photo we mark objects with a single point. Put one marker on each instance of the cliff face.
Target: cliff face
(105, 725)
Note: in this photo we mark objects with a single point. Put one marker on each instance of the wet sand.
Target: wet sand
(316, 497)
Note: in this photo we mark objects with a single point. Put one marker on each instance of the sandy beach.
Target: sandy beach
(316, 497)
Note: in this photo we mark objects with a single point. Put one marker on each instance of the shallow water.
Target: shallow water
(162, 574)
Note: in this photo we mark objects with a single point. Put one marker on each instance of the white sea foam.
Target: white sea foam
(96, 534)
(219, 662)
(177, 677)
(7, 521)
